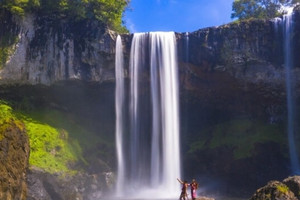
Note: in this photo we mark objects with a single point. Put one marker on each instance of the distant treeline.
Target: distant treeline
(107, 11)
(261, 9)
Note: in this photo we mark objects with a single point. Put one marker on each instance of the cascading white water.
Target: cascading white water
(152, 149)
(164, 71)
(276, 21)
(288, 57)
(137, 144)
(119, 106)
(187, 41)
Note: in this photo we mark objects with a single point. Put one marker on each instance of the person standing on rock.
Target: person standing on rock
(183, 195)
(194, 187)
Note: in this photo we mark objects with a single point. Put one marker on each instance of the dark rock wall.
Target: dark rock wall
(232, 86)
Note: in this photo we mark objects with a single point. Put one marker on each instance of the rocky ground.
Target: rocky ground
(288, 189)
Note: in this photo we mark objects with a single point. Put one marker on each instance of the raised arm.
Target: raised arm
(180, 181)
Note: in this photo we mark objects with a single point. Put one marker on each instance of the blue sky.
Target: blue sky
(176, 15)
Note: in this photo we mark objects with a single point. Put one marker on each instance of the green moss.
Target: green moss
(80, 139)
(5, 113)
(241, 135)
(81, 135)
(50, 147)
(7, 47)
(16, 10)
(282, 189)
(6, 117)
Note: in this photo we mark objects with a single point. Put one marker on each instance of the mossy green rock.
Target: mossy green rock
(274, 190)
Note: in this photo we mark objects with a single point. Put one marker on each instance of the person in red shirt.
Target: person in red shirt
(194, 187)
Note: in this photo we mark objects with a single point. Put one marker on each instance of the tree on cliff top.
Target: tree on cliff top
(109, 12)
(262, 9)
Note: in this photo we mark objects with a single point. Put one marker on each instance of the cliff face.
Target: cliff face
(46, 50)
(233, 101)
(232, 91)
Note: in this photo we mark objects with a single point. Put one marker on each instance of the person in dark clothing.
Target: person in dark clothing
(183, 195)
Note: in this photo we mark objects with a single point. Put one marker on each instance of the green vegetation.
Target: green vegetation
(80, 138)
(241, 135)
(107, 11)
(282, 188)
(5, 113)
(7, 47)
(5, 117)
(50, 148)
(261, 9)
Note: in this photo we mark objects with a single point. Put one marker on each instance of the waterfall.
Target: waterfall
(290, 86)
(152, 147)
(165, 121)
(187, 41)
(276, 21)
(119, 106)
(138, 140)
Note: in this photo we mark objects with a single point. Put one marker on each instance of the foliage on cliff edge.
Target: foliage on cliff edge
(108, 12)
(261, 9)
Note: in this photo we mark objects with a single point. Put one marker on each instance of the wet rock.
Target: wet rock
(14, 154)
(42, 185)
(294, 184)
(276, 190)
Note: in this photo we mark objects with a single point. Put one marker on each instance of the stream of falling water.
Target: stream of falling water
(119, 105)
(290, 86)
(149, 157)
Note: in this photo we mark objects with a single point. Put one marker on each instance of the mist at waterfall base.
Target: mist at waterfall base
(148, 150)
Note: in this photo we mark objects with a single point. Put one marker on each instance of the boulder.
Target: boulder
(276, 190)
(294, 184)
(14, 154)
(80, 186)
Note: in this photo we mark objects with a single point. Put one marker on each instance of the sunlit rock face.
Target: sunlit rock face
(46, 50)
